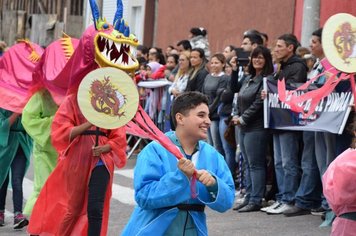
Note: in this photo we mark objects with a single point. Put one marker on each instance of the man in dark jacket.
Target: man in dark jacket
(293, 68)
(286, 143)
(314, 143)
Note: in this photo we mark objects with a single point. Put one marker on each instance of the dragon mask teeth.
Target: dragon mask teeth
(117, 54)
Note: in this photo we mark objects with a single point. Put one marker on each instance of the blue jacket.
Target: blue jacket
(159, 185)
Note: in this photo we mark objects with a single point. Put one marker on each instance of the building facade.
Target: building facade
(165, 22)
(226, 20)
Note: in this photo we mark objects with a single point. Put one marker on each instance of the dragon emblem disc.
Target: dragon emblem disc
(108, 98)
(339, 42)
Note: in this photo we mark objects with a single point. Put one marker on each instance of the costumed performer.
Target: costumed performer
(47, 92)
(16, 67)
(75, 198)
(162, 184)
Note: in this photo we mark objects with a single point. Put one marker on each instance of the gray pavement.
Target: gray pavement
(230, 223)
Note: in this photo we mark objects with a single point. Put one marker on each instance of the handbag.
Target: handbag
(229, 134)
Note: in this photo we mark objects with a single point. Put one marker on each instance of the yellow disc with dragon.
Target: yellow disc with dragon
(339, 42)
(108, 98)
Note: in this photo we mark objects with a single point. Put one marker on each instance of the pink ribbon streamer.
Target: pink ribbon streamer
(292, 99)
(143, 125)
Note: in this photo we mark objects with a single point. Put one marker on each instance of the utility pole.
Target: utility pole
(311, 20)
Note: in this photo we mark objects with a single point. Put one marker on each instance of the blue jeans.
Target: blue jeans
(253, 147)
(309, 192)
(230, 154)
(18, 168)
(286, 163)
(325, 152)
(214, 137)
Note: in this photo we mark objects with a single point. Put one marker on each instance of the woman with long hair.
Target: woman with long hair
(253, 136)
(181, 79)
(199, 72)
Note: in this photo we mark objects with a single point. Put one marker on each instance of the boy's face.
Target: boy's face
(196, 123)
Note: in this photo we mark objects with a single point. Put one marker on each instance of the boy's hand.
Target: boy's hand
(206, 178)
(187, 167)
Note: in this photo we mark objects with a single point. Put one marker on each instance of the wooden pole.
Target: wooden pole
(41, 7)
(59, 9)
(64, 19)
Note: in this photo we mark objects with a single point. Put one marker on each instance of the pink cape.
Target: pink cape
(47, 73)
(339, 189)
(16, 69)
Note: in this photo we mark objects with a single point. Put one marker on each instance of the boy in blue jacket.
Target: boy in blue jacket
(162, 183)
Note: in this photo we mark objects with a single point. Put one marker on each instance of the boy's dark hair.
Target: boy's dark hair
(186, 44)
(254, 38)
(318, 33)
(268, 67)
(290, 39)
(186, 102)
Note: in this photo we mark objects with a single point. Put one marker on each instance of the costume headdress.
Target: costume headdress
(16, 67)
(115, 46)
(48, 72)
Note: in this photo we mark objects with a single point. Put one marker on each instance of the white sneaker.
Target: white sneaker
(239, 200)
(273, 206)
(279, 210)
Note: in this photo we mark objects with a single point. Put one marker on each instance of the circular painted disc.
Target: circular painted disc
(339, 42)
(108, 98)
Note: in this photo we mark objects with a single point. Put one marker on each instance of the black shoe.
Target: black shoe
(318, 212)
(250, 207)
(20, 221)
(323, 216)
(296, 211)
(238, 207)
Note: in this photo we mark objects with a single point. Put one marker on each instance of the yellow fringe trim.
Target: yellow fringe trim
(67, 46)
(34, 56)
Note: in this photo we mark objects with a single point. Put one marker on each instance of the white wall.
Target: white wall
(109, 9)
(134, 14)
(136, 17)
